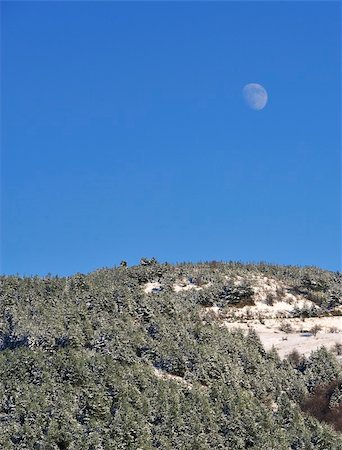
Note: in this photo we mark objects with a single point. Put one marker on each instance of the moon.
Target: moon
(255, 96)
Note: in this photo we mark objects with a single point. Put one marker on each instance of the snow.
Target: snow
(266, 317)
(300, 337)
(167, 376)
(152, 286)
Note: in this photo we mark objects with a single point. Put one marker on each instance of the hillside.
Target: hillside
(172, 357)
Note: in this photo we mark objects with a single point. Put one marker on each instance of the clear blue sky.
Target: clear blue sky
(125, 134)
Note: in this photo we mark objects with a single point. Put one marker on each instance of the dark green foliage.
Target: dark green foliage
(92, 362)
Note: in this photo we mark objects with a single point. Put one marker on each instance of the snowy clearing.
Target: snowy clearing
(300, 337)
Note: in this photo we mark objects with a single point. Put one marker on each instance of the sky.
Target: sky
(125, 134)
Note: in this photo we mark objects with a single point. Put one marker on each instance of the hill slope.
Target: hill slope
(152, 357)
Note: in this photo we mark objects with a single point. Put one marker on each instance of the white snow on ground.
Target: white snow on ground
(265, 287)
(178, 287)
(278, 309)
(215, 309)
(300, 338)
(167, 376)
(182, 285)
(185, 285)
(271, 298)
(152, 286)
(266, 317)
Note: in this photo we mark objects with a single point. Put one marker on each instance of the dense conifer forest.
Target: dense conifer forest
(98, 362)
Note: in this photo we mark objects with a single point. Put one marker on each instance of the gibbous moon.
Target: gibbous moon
(255, 96)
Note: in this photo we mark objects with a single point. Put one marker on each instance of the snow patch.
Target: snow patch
(300, 337)
(152, 286)
(262, 310)
(167, 376)
(271, 298)
(186, 285)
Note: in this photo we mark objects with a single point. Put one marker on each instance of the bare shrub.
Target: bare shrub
(338, 348)
(270, 299)
(318, 405)
(315, 329)
(286, 327)
(294, 357)
(281, 292)
(261, 319)
(249, 314)
(333, 330)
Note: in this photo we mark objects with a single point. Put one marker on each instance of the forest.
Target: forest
(96, 362)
